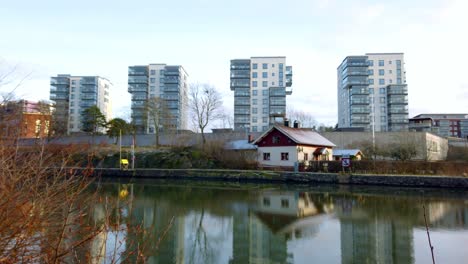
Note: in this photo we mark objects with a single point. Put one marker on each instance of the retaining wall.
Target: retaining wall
(294, 177)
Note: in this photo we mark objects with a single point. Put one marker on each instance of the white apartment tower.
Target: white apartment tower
(372, 92)
(74, 94)
(169, 83)
(260, 86)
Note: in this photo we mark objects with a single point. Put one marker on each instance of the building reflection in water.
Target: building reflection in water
(261, 224)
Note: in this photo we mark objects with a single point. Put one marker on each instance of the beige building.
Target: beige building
(260, 86)
(428, 146)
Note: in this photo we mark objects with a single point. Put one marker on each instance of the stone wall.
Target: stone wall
(293, 177)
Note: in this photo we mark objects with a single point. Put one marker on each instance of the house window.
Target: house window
(284, 203)
(266, 156)
(306, 156)
(265, 65)
(264, 74)
(275, 140)
(284, 155)
(266, 201)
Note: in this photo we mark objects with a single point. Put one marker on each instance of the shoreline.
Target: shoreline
(285, 177)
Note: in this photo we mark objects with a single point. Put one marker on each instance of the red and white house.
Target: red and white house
(283, 146)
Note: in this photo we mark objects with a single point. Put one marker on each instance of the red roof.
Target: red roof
(301, 136)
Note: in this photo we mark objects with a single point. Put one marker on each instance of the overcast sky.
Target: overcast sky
(85, 37)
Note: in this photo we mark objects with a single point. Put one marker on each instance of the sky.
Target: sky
(40, 39)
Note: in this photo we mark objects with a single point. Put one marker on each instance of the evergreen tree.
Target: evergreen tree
(93, 120)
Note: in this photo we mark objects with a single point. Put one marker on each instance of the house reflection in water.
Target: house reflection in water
(261, 233)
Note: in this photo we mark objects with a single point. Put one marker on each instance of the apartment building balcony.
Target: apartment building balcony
(277, 113)
(364, 110)
(241, 112)
(288, 91)
(87, 104)
(397, 90)
(360, 120)
(398, 121)
(235, 84)
(58, 96)
(172, 72)
(59, 89)
(277, 91)
(137, 87)
(240, 74)
(172, 79)
(87, 90)
(278, 102)
(88, 97)
(359, 101)
(137, 79)
(138, 105)
(241, 102)
(359, 91)
(242, 92)
(355, 72)
(138, 71)
(88, 81)
(54, 81)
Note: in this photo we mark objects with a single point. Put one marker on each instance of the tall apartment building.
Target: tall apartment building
(169, 83)
(372, 92)
(74, 94)
(260, 86)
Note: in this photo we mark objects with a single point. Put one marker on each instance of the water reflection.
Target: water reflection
(255, 224)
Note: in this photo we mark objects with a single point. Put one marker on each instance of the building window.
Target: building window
(161, 80)
(264, 128)
(370, 72)
(381, 72)
(273, 74)
(264, 119)
(254, 110)
(382, 100)
(254, 74)
(371, 90)
(72, 96)
(265, 101)
(275, 140)
(306, 156)
(265, 92)
(254, 92)
(264, 74)
(266, 201)
(398, 81)
(254, 84)
(152, 80)
(254, 120)
(266, 156)
(371, 63)
(390, 81)
(272, 65)
(381, 63)
(382, 90)
(284, 203)
(153, 72)
(254, 128)
(281, 66)
(265, 110)
(371, 81)
(390, 71)
(265, 84)
(398, 62)
(254, 101)
(273, 83)
(382, 109)
(284, 155)
(383, 119)
(152, 88)
(381, 81)
(265, 66)
(389, 62)
(254, 66)
(280, 83)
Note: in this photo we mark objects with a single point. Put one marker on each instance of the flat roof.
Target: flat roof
(386, 53)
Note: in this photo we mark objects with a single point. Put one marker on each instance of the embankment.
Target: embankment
(292, 177)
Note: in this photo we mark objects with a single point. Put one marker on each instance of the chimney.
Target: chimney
(296, 124)
(286, 122)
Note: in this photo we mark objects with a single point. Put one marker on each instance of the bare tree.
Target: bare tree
(204, 102)
(305, 118)
(158, 115)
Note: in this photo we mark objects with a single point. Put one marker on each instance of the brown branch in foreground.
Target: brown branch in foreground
(428, 236)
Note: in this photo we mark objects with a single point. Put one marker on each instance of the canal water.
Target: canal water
(215, 222)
